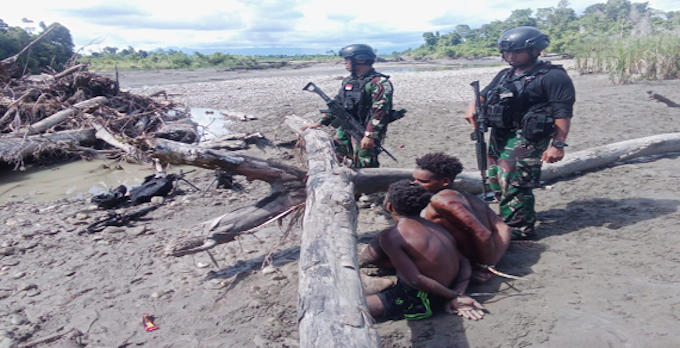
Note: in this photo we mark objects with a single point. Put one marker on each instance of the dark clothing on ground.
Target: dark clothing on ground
(404, 302)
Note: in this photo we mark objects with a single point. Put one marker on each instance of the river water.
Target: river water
(74, 179)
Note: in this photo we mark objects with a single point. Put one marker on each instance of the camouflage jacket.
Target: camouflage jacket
(372, 107)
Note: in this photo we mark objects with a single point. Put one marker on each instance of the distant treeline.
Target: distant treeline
(627, 40)
(615, 19)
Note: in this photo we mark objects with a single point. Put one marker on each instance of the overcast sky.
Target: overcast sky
(313, 24)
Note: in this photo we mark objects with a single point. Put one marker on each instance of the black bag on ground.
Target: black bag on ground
(153, 186)
(111, 198)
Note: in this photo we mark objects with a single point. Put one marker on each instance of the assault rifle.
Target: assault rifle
(481, 126)
(119, 220)
(347, 121)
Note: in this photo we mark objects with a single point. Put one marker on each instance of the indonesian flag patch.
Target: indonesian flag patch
(348, 87)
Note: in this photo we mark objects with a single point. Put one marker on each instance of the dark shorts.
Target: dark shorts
(404, 302)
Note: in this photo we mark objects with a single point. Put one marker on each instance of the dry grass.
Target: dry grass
(655, 57)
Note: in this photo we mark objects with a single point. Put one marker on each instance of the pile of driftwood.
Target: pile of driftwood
(79, 111)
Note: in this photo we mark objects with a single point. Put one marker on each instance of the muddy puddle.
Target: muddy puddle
(77, 178)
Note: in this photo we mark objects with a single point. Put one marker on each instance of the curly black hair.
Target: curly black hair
(407, 197)
(440, 164)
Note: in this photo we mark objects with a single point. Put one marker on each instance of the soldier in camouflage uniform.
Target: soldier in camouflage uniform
(367, 95)
(526, 105)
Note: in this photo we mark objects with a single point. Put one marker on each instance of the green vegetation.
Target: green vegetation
(51, 52)
(628, 41)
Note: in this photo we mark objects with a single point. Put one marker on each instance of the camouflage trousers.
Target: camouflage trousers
(514, 171)
(349, 149)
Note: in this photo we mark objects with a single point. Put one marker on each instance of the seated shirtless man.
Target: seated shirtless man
(481, 235)
(426, 261)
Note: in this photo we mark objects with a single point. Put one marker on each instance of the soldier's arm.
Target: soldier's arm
(381, 103)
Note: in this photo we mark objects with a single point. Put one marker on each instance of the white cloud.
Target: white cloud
(148, 24)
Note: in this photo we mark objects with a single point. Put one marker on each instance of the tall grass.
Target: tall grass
(625, 60)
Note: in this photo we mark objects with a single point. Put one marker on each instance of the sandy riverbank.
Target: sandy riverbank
(605, 270)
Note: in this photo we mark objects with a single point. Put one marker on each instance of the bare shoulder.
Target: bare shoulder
(447, 197)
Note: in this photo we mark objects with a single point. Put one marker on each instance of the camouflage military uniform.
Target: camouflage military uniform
(515, 162)
(371, 110)
(514, 170)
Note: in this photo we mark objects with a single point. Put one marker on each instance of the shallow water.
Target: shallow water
(212, 122)
(77, 178)
(73, 180)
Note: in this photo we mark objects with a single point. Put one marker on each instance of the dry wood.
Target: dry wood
(103, 134)
(15, 149)
(365, 180)
(71, 70)
(60, 117)
(13, 59)
(602, 156)
(287, 190)
(332, 310)
(663, 99)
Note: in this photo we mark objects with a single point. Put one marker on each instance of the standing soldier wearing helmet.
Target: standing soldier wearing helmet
(367, 95)
(528, 107)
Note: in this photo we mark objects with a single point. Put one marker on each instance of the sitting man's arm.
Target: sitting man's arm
(465, 306)
(407, 269)
(451, 207)
(373, 253)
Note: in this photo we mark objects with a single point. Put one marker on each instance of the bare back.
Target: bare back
(463, 216)
(430, 247)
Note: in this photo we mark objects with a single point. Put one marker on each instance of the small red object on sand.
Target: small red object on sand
(148, 324)
(400, 146)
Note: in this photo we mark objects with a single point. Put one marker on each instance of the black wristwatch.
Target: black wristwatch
(559, 144)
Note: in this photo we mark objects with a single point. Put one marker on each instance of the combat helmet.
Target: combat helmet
(358, 52)
(524, 37)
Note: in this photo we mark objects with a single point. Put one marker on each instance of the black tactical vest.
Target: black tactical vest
(354, 98)
(508, 101)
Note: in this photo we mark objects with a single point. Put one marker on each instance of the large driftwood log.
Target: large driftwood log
(602, 156)
(15, 149)
(287, 191)
(332, 310)
(60, 117)
(284, 197)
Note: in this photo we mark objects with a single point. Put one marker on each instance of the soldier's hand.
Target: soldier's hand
(553, 154)
(470, 114)
(367, 143)
(311, 126)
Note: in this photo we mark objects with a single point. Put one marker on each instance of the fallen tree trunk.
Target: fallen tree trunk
(284, 197)
(601, 156)
(59, 117)
(332, 310)
(14, 150)
(287, 191)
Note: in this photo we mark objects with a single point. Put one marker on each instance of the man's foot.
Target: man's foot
(374, 285)
(526, 234)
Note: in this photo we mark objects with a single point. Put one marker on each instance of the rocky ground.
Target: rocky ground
(603, 273)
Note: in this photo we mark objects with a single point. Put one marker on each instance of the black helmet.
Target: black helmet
(358, 52)
(521, 38)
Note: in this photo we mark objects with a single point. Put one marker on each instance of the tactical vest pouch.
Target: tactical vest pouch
(498, 108)
(538, 123)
